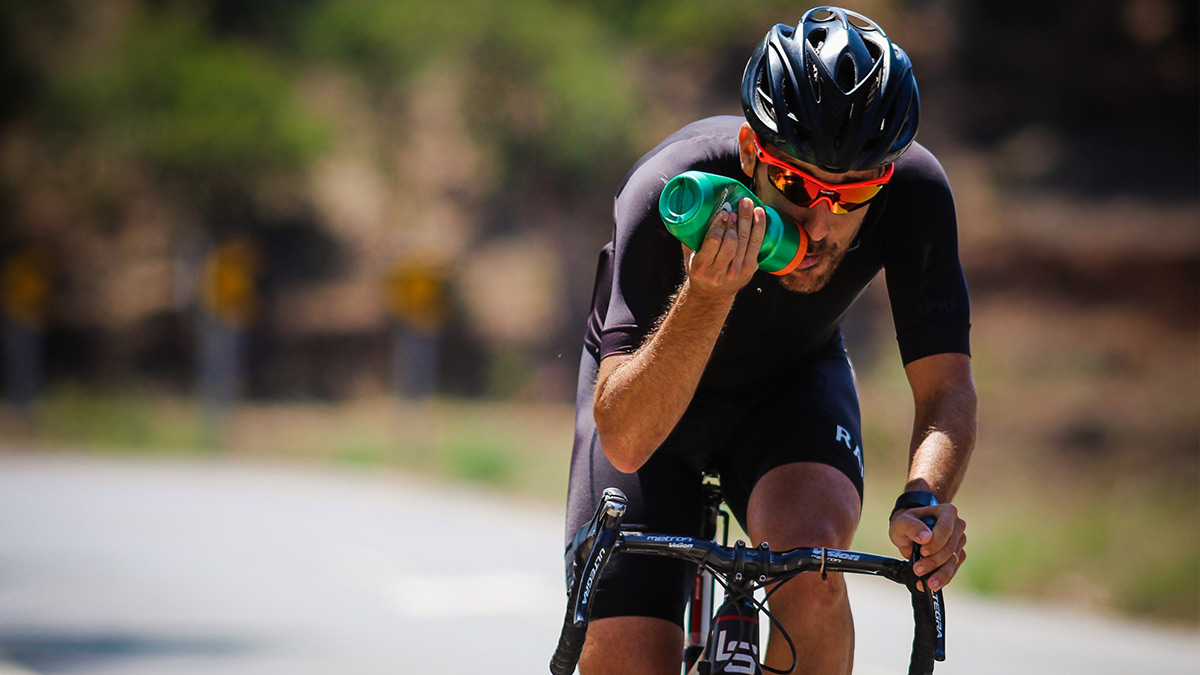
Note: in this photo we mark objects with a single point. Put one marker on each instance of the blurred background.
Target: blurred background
(363, 232)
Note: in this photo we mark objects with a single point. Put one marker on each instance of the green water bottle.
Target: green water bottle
(690, 200)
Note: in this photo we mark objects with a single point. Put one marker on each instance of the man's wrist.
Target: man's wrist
(715, 299)
(913, 499)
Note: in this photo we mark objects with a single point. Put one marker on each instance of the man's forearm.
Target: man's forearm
(640, 399)
(943, 438)
(944, 428)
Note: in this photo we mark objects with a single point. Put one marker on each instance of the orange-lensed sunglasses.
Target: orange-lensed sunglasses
(802, 189)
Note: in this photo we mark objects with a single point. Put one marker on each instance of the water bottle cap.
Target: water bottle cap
(681, 199)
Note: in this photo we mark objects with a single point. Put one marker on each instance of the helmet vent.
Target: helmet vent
(847, 75)
(816, 38)
(764, 103)
(860, 22)
(873, 49)
(876, 83)
(814, 80)
(788, 94)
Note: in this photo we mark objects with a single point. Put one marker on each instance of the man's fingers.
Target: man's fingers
(728, 255)
(745, 222)
(729, 245)
(757, 233)
(945, 531)
(907, 528)
(946, 572)
(711, 243)
(940, 556)
(932, 539)
(942, 546)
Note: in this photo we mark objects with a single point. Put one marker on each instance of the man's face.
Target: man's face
(829, 234)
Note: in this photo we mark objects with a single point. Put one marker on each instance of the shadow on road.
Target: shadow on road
(50, 651)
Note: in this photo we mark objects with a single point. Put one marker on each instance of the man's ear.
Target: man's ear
(746, 149)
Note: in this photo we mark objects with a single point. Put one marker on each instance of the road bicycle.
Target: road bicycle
(727, 641)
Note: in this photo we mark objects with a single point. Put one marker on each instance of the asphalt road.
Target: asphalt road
(119, 565)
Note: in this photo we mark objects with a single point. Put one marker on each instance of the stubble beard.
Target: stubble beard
(815, 278)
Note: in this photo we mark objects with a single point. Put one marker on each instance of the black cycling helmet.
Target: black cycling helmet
(834, 91)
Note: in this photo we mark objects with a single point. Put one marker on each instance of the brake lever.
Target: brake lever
(590, 549)
(611, 501)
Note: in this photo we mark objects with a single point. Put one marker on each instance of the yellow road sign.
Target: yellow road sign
(417, 294)
(25, 286)
(229, 284)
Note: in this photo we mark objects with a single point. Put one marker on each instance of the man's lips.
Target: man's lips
(809, 261)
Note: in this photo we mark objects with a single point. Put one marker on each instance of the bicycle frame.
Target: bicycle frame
(700, 608)
(733, 645)
(745, 569)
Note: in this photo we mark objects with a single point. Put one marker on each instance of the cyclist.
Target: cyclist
(696, 361)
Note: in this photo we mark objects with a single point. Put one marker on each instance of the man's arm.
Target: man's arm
(944, 428)
(944, 424)
(641, 397)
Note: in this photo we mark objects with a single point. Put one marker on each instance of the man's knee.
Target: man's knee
(783, 533)
(810, 596)
(804, 504)
(633, 645)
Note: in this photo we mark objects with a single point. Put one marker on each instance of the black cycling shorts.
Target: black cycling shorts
(813, 418)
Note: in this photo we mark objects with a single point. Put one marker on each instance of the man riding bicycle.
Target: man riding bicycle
(697, 362)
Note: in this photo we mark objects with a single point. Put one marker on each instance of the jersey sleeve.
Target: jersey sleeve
(647, 265)
(926, 286)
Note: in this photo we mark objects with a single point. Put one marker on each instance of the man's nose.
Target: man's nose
(815, 220)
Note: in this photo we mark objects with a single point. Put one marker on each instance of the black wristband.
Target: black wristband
(912, 500)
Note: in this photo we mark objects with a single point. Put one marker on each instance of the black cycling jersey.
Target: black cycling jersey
(778, 388)
(910, 231)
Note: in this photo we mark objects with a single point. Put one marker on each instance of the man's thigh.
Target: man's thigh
(812, 423)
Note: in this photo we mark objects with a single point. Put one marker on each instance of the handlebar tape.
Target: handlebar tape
(929, 622)
(928, 634)
(570, 644)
